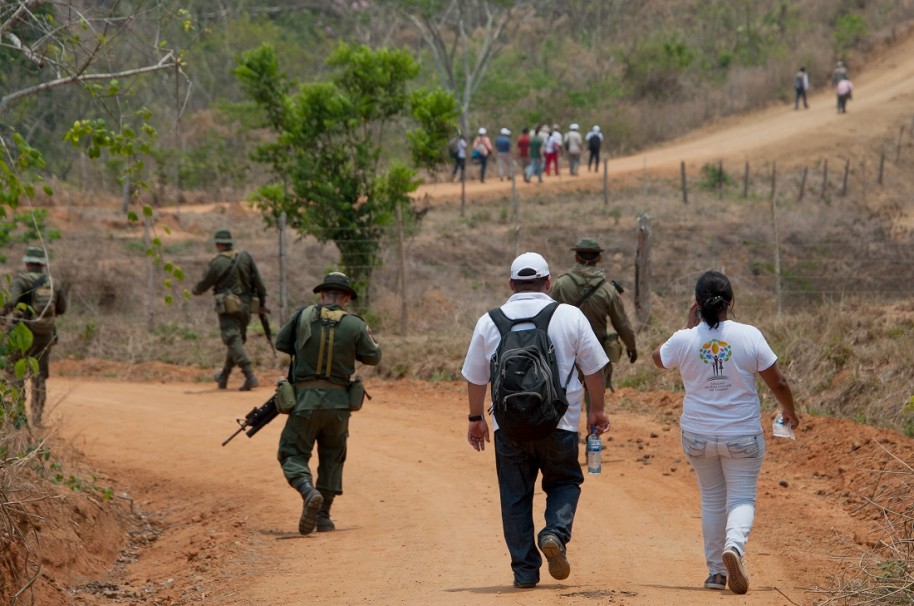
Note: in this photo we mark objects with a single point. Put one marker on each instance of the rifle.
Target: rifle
(256, 420)
(265, 322)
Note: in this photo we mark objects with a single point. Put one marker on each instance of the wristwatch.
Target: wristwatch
(473, 418)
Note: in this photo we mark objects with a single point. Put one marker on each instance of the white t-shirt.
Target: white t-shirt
(718, 368)
(570, 333)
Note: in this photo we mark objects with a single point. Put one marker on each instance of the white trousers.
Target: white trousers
(727, 469)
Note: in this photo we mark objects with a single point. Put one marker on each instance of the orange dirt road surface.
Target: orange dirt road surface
(419, 522)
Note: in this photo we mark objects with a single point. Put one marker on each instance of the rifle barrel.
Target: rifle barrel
(229, 439)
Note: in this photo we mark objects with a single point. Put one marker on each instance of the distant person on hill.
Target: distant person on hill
(482, 149)
(800, 85)
(844, 90)
(458, 151)
(838, 74)
(523, 149)
(574, 144)
(325, 342)
(239, 293)
(594, 143)
(519, 459)
(503, 159)
(35, 299)
(721, 420)
(536, 156)
(552, 148)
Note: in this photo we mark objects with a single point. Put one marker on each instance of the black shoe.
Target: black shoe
(323, 523)
(311, 504)
(528, 585)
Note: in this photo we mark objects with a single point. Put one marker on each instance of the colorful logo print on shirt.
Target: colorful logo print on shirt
(715, 353)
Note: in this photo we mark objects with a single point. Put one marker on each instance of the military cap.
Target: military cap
(35, 255)
(337, 281)
(223, 236)
(587, 245)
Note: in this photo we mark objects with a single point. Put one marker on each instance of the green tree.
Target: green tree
(333, 175)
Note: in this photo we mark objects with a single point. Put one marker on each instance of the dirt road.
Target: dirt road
(882, 104)
(419, 521)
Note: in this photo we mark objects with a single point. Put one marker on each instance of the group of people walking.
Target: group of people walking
(722, 435)
(840, 82)
(536, 151)
(717, 357)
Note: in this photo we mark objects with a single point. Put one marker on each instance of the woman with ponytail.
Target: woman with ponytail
(721, 420)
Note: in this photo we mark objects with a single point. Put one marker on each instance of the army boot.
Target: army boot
(322, 520)
(312, 501)
(250, 381)
(222, 376)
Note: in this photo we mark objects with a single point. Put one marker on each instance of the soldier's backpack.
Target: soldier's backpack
(40, 318)
(798, 82)
(528, 398)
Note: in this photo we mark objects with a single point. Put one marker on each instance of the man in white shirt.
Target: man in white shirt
(518, 462)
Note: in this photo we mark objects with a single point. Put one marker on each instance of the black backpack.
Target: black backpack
(593, 144)
(528, 397)
(453, 147)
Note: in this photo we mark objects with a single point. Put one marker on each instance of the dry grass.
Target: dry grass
(883, 574)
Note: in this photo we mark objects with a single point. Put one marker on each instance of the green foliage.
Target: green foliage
(329, 178)
(712, 176)
(850, 30)
(655, 67)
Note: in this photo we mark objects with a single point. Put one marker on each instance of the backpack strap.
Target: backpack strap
(541, 320)
(329, 319)
(229, 271)
(590, 292)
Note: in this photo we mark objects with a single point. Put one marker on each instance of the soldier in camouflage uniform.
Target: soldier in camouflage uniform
(586, 287)
(325, 342)
(239, 293)
(36, 299)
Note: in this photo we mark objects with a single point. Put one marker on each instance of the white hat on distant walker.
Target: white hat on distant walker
(482, 130)
(596, 128)
(505, 131)
(573, 126)
(529, 266)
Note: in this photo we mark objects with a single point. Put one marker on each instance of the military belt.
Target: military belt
(318, 384)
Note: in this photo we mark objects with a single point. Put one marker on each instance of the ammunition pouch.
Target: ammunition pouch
(357, 393)
(227, 303)
(255, 307)
(613, 347)
(285, 397)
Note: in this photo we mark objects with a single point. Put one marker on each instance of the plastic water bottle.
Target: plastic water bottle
(594, 452)
(781, 429)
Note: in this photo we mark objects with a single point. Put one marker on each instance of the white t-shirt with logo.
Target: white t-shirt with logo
(718, 368)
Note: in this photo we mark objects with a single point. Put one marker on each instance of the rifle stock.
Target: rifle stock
(256, 420)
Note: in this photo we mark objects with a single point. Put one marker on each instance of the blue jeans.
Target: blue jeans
(727, 469)
(517, 464)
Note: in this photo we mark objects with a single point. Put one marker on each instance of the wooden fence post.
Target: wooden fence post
(824, 179)
(774, 178)
(720, 179)
(643, 271)
(401, 245)
(847, 169)
(777, 250)
(515, 204)
(685, 191)
(605, 181)
(881, 166)
(898, 146)
(746, 181)
(803, 184)
(282, 227)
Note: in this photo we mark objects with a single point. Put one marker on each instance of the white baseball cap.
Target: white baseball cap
(529, 266)
(596, 129)
(573, 126)
(482, 130)
(505, 131)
